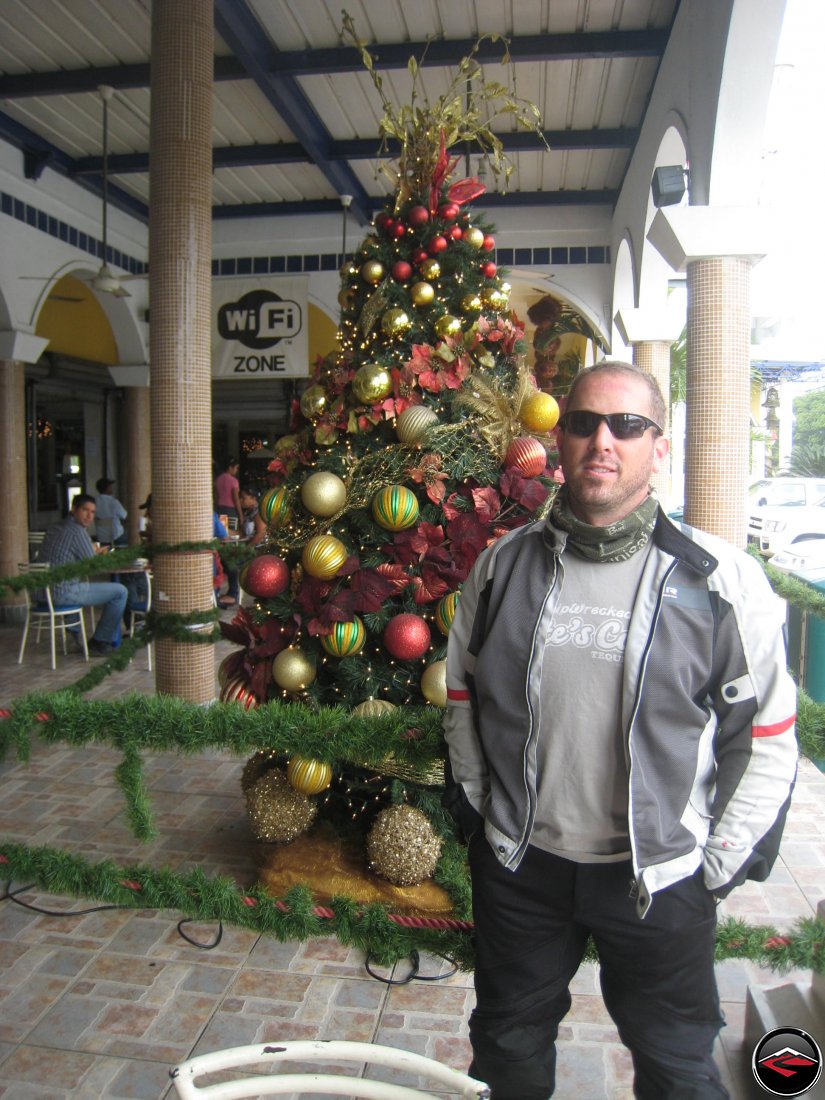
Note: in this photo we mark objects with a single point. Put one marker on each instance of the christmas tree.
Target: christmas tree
(419, 441)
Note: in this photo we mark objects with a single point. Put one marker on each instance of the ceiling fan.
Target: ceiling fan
(104, 280)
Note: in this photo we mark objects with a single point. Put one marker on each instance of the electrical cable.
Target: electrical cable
(414, 974)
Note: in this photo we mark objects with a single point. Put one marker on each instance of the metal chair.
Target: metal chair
(45, 614)
(35, 542)
(451, 1080)
(140, 611)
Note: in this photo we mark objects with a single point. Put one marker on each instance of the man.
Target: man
(69, 541)
(620, 728)
(109, 515)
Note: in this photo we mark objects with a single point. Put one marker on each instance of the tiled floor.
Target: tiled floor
(98, 1005)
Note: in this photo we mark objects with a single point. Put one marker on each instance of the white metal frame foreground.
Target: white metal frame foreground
(319, 1050)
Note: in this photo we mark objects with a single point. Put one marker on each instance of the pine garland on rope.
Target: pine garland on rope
(371, 928)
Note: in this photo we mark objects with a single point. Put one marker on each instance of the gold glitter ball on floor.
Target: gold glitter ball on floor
(402, 846)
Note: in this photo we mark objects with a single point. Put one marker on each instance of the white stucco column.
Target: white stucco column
(16, 349)
(651, 333)
(717, 247)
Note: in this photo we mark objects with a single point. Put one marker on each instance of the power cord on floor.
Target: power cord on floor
(414, 975)
(13, 895)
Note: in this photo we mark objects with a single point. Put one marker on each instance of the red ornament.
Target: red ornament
(388, 227)
(488, 269)
(525, 453)
(489, 243)
(448, 211)
(436, 245)
(407, 637)
(398, 230)
(265, 576)
(382, 219)
(455, 232)
(419, 255)
(418, 216)
(401, 271)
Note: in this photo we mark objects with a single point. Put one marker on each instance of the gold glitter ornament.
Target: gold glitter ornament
(395, 321)
(474, 237)
(277, 812)
(539, 412)
(308, 776)
(447, 325)
(293, 670)
(430, 269)
(257, 765)
(313, 402)
(471, 303)
(372, 707)
(323, 493)
(346, 297)
(372, 272)
(402, 846)
(413, 423)
(372, 383)
(422, 294)
(323, 556)
(434, 683)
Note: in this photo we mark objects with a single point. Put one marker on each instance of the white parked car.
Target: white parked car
(805, 558)
(784, 510)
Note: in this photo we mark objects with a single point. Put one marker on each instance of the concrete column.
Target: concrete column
(138, 477)
(717, 247)
(14, 530)
(180, 245)
(718, 396)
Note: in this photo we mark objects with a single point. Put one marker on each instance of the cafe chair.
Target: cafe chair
(261, 1055)
(44, 614)
(35, 542)
(140, 612)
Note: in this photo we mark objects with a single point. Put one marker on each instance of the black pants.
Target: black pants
(657, 977)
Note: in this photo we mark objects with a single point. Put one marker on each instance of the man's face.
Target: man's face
(608, 478)
(84, 514)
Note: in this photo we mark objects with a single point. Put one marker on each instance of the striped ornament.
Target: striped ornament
(236, 691)
(323, 556)
(346, 639)
(308, 776)
(275, 507)
(445, 611)
(395, 508)
(525, 453)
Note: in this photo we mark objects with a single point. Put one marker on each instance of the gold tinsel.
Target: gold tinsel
(402, 846)
(277, 812)
(495, 406)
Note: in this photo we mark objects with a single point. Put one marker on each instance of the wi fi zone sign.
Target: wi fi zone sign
(260, 328)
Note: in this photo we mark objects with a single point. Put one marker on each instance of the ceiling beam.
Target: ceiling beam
(286, 152)
(242, 32)
(492, 200)
(601, 45)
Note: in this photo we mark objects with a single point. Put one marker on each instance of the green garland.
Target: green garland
(368, 927)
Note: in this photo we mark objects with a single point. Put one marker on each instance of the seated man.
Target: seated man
(69, 541)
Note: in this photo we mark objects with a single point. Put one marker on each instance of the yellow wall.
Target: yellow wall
(73, 322)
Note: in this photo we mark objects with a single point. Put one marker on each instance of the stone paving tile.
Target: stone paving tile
(112, 1000)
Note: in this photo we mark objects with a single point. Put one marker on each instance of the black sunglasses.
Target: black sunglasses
(622, 425)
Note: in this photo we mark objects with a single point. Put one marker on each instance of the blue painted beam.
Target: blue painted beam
(242, 32)
(346, 59)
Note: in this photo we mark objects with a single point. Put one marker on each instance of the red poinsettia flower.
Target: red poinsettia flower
(372, 587)
(424, 542)
(429, 473)
(404, 387)
(430, 586)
